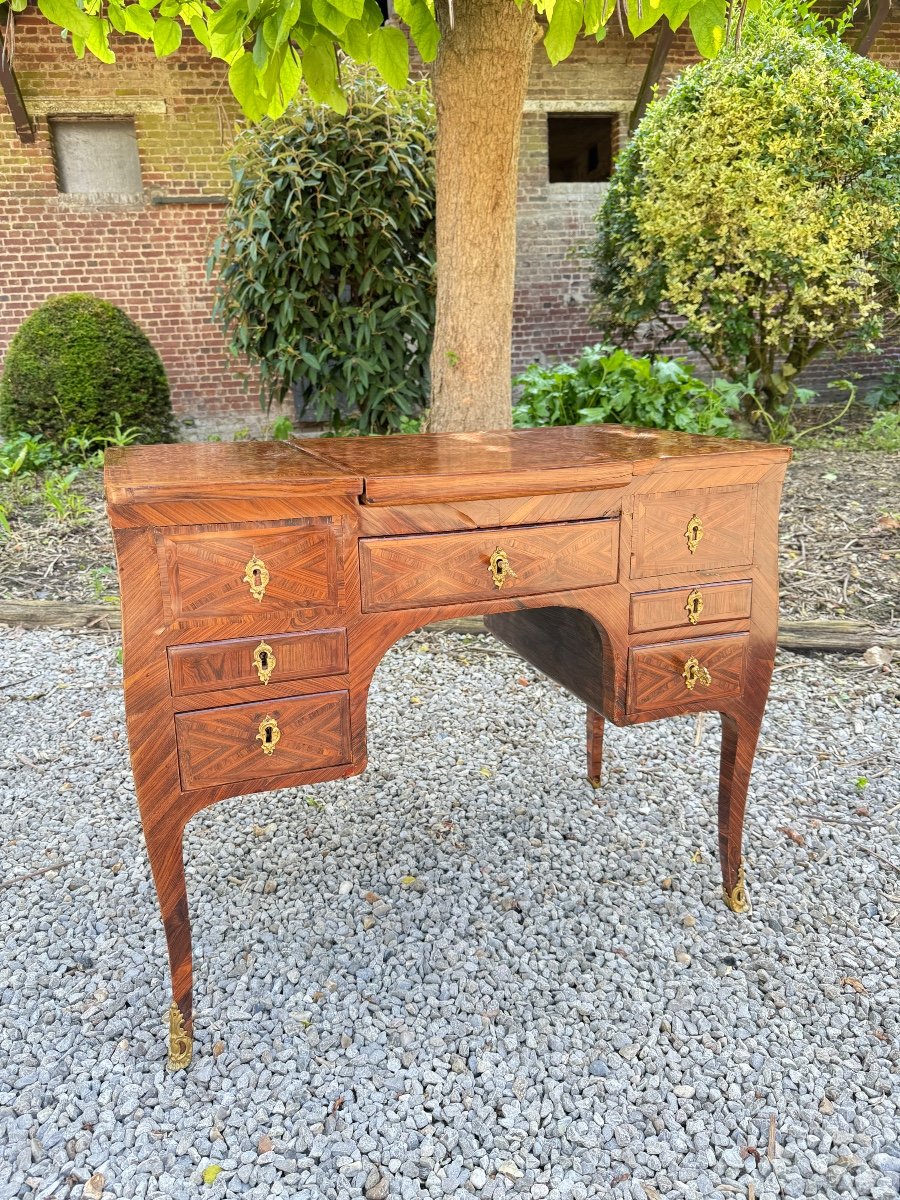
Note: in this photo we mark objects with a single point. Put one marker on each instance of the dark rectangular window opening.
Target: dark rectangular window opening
(96, 156)
(581, 147)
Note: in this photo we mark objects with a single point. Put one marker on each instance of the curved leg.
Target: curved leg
(740, 732)
(594, 747)
(164, 847)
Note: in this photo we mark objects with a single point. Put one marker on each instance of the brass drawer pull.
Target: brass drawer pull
(693, 674)
(256, 575)
(694, 606)
(269, 734)
(264, 661)
(500, 568)
(693, 533)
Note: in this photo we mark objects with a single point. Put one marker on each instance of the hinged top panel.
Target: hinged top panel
(459, 466)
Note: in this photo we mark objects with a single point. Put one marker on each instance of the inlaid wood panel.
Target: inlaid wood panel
(218, 745)
(233, 663)
(670, 609)
(205, 569)
(660, 543)
(656, 673)
(451, 568)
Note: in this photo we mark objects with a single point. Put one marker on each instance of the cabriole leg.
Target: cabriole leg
(594, 747)
(740, 732)
(164, 847)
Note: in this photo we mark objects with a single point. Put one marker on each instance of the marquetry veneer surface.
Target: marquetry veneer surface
(263, 582)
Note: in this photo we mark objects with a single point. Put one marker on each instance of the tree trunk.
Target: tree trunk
(480, 80)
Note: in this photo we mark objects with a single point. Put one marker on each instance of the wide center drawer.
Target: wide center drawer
(249, 662)
(260, 741)
(458, 568)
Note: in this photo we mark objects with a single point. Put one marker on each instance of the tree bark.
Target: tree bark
(480, 80)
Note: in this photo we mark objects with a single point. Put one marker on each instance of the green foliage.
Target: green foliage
(282, 428)
(883, 433)
(610, 386)
(5, 526)
(886, 393)
(755, 215)
(61, 501)
(325, 267)
(271, 45)
(76, 369)
(25, 453)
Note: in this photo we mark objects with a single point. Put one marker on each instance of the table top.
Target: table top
(416, 467)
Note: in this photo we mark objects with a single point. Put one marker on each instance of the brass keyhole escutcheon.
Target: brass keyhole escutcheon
(269, 734)
(264, 661)
(693, 674)
(500, 568)
(694, 606)
(256, 575)
(693, 533)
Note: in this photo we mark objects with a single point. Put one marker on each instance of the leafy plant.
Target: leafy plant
(755, 215)
(76, 370)
(4, 521)
(325, 268)
(609, 385)
(883, 433)
(886, 393)
(67, 506)
(282, 428)
(99, 578)
(23, 453)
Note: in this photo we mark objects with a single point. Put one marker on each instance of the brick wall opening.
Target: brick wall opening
(581, 147)
(95, 156)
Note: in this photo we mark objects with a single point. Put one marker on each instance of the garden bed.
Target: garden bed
(840, 540)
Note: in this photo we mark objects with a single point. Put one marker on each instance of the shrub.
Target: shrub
(325, 269)
(609, 385)
(755, 215)
(80, 367)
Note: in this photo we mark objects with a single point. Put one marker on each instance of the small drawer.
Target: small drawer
(690, 607)
(260, 741)
(709, 529)
(249, 662)
(240, 572)
(492, 564)
(678, 674)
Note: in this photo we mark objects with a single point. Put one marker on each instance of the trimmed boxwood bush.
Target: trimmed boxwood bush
(74, 363)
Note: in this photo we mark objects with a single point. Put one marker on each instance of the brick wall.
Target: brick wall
(147, 257)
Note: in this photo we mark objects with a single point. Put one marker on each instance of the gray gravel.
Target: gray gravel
(557, 1006)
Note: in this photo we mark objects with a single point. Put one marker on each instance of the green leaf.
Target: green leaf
(355, 41)
(288, 81)
(707, 21)
(642, 15)
(390, 55)
(243, 84)
(97, 40)
(320, 73)
(422, 25)
(116, 16)
(65, 14)
(260, 52)
(565, 25)
(677, 11)
(330, 17)
(138, 20)
(200, 32)
(166, 36)
(353, 9)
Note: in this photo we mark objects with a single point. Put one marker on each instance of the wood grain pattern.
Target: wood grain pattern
(218, 745)
(656, 673)
(454, 568)
(230, 663)
(660, 546)
(668, 609)
(374, 538)
(205, 568)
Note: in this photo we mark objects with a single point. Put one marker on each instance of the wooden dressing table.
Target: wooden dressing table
(263, 582)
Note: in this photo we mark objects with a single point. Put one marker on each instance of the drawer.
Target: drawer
(238, 572)
(248, 662)
(656, 674)
(455, 568)
(690, 606)
(717, 522)
(260, 741)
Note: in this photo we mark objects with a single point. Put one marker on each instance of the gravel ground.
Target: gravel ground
(557, 1005)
